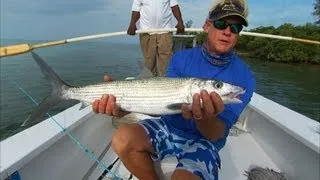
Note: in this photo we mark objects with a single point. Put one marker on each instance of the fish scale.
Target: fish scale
(146, 96)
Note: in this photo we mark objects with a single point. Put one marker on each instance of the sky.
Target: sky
(61, 19)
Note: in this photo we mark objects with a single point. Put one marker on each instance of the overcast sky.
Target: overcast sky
(59, 19)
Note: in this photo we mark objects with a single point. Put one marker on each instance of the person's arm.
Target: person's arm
(177, 14)
(135, 16)
(213, 129)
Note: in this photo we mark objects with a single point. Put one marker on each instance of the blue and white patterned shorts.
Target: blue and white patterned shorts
(198, 156)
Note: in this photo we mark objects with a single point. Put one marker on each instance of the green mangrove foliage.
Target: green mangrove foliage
(283, 50)
(274, 50)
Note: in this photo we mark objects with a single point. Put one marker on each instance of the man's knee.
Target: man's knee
(129, 138)
(184, 174)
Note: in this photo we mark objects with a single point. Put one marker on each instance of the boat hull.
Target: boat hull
(276, 138)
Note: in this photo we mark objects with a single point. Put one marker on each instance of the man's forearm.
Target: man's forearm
(177, 14)
(212, 129)
(135, 16)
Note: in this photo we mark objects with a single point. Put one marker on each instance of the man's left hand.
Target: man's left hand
(180, 28)
(212, 105)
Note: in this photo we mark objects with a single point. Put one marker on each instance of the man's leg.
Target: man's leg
(198, 159)
(131, 143)
(149, 47)
(180, 174)
(164, 51)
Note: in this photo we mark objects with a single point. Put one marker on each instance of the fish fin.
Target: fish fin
(84, 104)
(38, 114)
(58, 87)
(144, 71)
(154, 116)
(48, 72)
(175, 106)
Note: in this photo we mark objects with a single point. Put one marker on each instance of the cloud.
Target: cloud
(48, 20)
(261, 13)
(49, 7)
(284, 12)
(57, 19)
(195, 11)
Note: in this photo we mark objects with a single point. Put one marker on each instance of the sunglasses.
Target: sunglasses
(221, 25)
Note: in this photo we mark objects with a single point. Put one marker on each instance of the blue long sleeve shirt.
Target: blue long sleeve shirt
(192, 63)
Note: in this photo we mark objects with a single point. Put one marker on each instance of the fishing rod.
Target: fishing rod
(26, 47)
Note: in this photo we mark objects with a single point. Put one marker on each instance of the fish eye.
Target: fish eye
(218, 85)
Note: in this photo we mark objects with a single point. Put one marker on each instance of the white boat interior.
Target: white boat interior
(69, 145)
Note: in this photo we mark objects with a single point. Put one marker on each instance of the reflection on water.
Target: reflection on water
(294, 86)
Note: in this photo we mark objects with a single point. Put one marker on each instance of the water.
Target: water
(294, 86)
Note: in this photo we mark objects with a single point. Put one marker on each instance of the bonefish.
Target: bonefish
(152, 96)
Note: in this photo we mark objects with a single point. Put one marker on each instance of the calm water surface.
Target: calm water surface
(294, 86)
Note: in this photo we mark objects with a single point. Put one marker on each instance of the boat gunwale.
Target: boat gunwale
(36, 139)
(299, 126)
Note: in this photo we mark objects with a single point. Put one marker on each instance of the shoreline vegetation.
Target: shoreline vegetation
(274, 50)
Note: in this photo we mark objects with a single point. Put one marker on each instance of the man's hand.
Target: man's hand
(107, 78)
(107, 104)
(132, 29)
(212, 106)
(180, 28)
(205, 117)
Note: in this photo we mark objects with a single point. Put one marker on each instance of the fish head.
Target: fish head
(229, 93)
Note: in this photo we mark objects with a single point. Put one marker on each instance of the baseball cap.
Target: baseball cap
(225, 8)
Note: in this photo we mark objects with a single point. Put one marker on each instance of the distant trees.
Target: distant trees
(188, 24)
(188, 42)
(274, 50)
(283, 50)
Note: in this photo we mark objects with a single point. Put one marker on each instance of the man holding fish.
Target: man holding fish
(196, 135)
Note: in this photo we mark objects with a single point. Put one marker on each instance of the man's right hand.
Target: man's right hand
(107, 104)
(180, 28)
(132, 29)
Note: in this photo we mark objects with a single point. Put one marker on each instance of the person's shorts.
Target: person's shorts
(198, 156)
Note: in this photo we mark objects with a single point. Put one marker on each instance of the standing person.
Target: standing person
(195, 136)
(156, 47)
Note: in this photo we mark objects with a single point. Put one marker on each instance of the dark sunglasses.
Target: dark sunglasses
(221, 25)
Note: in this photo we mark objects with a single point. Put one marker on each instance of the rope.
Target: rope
(83, 147)
(109, 169)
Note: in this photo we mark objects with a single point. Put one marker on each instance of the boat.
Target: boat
(76, 144)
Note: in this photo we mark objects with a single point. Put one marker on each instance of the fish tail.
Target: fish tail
(56, 96)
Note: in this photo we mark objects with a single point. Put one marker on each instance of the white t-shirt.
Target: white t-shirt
(154, 13)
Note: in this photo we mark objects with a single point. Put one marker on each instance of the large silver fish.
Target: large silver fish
(152, 96)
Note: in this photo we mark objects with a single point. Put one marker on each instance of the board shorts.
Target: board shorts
(198, 156)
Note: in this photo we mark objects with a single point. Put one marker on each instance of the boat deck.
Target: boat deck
(240, 153)
(45, 145)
